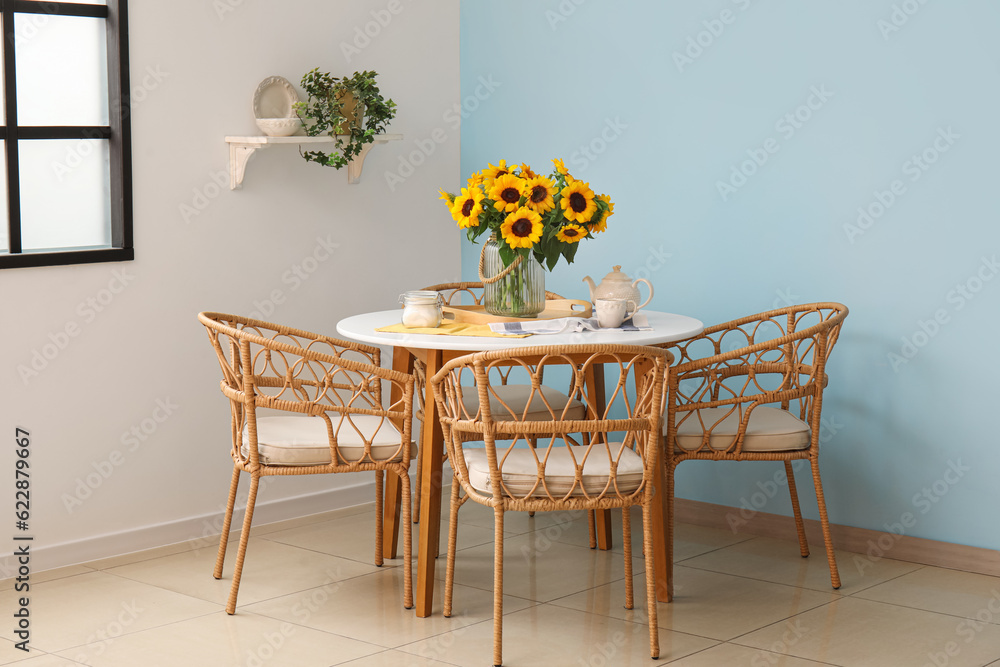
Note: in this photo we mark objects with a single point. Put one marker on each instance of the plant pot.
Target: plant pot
(350, 111)
(520, 292)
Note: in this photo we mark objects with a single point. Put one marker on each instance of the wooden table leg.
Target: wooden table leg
(595, 378)
(661, 553)
(402, 362)
(429, 486)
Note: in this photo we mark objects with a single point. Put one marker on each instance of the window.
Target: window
(66, 139)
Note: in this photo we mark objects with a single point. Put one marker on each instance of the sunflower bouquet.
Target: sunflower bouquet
(528, 215)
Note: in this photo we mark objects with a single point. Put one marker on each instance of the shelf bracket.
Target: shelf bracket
(239, 156)
(355, 166)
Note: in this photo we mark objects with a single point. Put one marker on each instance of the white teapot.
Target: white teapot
(617, 285)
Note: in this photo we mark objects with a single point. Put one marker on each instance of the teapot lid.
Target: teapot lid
(617, 275)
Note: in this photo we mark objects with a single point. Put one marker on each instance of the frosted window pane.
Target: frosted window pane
(65, 193)
(62, 76)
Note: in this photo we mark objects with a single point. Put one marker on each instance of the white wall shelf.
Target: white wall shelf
(241, 149)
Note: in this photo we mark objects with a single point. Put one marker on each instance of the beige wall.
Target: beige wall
(129, 430)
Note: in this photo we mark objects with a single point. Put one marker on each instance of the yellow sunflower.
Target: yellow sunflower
(467, 207)
(540, 191)
(601, 225)
(571, 233)
(522, 228)
(475, 179)
(560, 167)
(446, 197)
(526, 171)
(578, 202)
(492, 173)
(506, 192)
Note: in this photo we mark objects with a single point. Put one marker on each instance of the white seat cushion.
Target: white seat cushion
(769, 430)
(516, 397)
(520, 471)
(303, 441)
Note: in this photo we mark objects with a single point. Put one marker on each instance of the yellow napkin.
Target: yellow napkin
(451, 329)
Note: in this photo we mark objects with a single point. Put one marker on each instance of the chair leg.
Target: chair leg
(592, 527)
(420, 465)
(407, 541)
(498, 587)
(799, 525)
(449, 579)
(647, 548)
(825, 523)
(227, 523)
(379, 502)
(627, 542)
(533, 443)
(671, 468)
(244, 538)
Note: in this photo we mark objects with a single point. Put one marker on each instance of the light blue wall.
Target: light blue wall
(559, 73)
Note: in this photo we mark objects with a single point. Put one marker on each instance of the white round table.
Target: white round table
(667, 328)
(435, 349)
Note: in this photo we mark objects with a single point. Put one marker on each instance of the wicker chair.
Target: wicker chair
(514, 394)
(752, 390)
(305, 404)
(596, 471)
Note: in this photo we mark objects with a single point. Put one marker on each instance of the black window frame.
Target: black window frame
(118, 133)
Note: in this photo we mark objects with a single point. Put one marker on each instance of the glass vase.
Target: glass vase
(519, 293)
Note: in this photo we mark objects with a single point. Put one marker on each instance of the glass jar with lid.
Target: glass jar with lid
(421, 309)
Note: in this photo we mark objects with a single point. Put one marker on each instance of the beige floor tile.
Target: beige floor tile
(964, 594)
(49, 660)
(778, 561)
(220, 640)
(547, 635)
(539, 570)
(354, 537)
(862, 633)
(731, 655)
(515, 523)
(86, 608)
(49, 575)
(140, 556)
(708, 604)
(270, 570)
(396, 659)
(9, 654)
(370, 609)
(268, 528)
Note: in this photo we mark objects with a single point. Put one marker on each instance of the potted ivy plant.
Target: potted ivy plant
(349, 109)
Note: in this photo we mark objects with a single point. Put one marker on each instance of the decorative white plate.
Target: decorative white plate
(274, 98)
